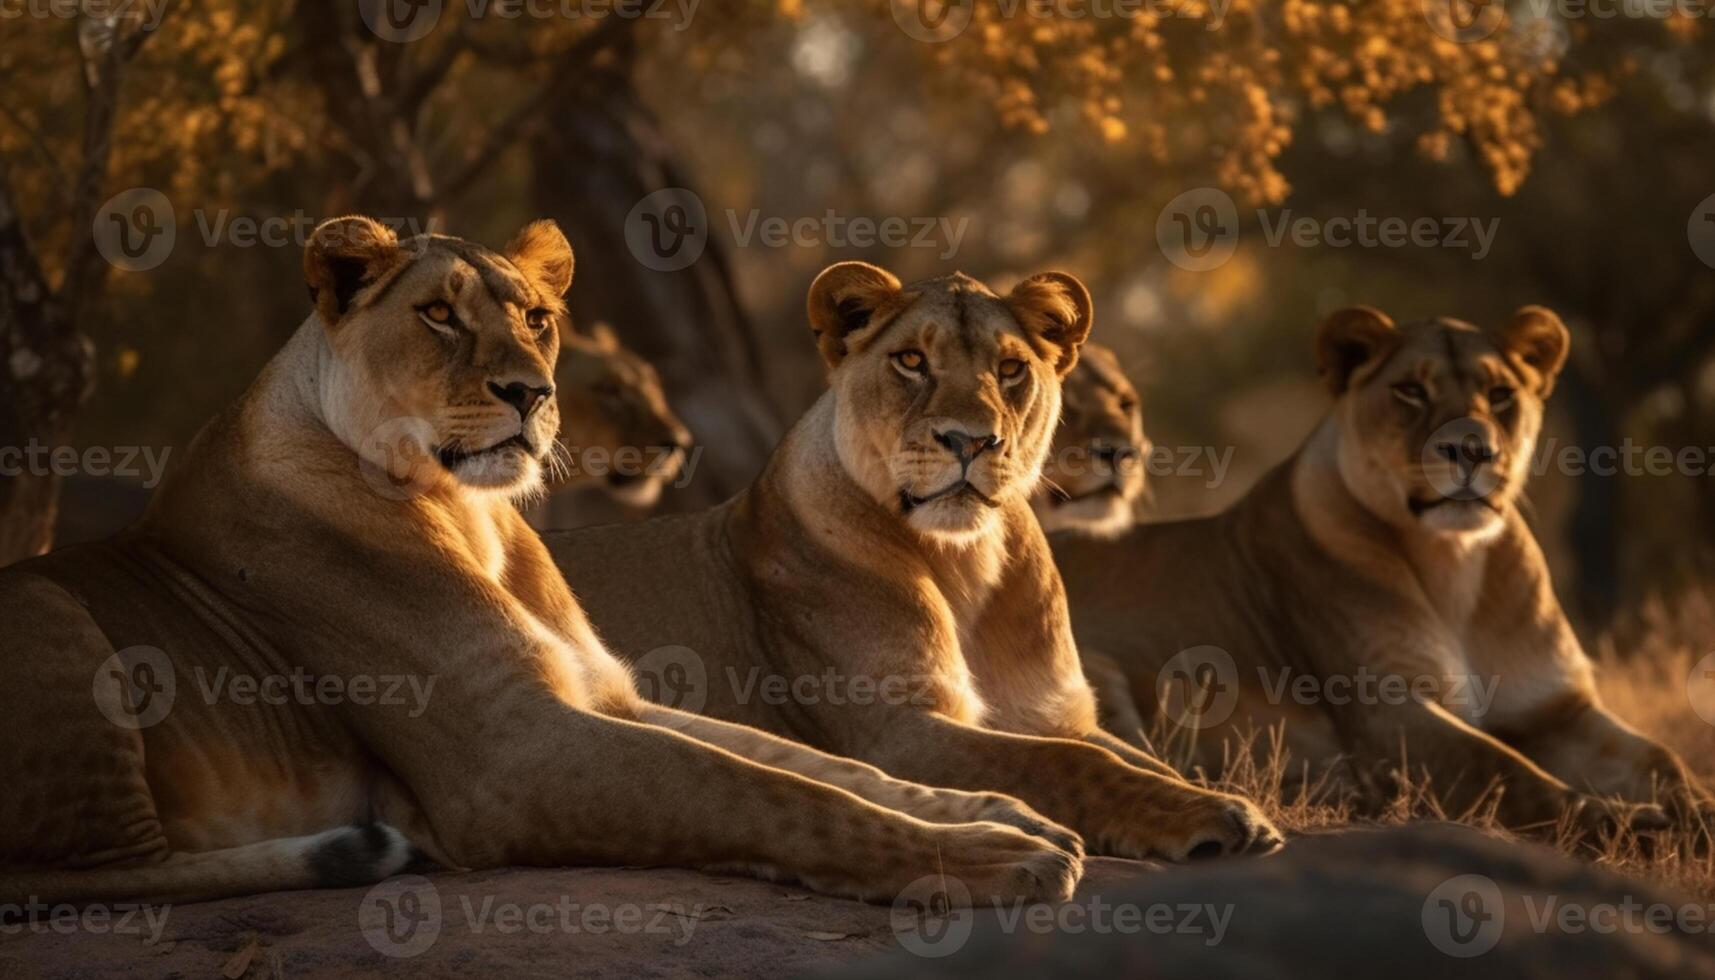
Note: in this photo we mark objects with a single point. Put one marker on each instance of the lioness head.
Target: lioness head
(1438, 419)
(442, 350)
(620, 433)
(946, 395)
(1094, 473)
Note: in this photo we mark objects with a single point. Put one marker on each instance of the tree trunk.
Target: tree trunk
(1596, 516)
(46, 365)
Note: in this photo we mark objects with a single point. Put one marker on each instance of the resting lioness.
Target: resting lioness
(883, 591)
(620, 436)
(1379, 593)
(332, 615)
(1095, 471)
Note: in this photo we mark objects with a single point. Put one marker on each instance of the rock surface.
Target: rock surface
(1362, 903)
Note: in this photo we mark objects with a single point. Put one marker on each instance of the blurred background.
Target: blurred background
(1220, 174)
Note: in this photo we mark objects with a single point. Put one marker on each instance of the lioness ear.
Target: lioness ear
(603, 335)
(843, 302)
(540, 250)
(1537, 341)
(343, 256)
(1348, 339)
(1054, 308)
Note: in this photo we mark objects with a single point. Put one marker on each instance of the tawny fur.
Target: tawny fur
(292, 537)
(1349, 559)
(1096, 470)
(856, 560)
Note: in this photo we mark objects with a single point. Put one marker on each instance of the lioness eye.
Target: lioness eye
(537, 319)
(1011, 368)
(1410, 392)
(1128, 405)
(438, 315)
(1500, 396)
(910, 361)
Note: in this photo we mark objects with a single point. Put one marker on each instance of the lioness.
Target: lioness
(619, 433)
(211, 704)
(1094, 474)
(1379, 593)
(883, 592)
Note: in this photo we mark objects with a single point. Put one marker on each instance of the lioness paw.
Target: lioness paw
(1001, 864)
(1002, 809)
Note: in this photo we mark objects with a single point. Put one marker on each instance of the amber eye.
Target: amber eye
(1410, 392)
(1500, 396)
(438, 315)
(1011, 369)
(538, 319)
(1128, 405)
(911, 361)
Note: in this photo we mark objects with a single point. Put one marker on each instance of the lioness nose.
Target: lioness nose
(1468, 451)
(966, 446)
(524, 397)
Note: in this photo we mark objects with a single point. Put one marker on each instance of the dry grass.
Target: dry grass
(1648, 689)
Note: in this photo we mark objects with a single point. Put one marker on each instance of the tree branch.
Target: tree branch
(568, 68)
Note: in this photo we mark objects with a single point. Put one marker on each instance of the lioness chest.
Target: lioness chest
(1006, 659)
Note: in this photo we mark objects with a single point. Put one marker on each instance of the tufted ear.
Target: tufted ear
(343, 256)
(1349, 339)
(540, 250)
(1536, 341)
(844, 301)
(1054, 308)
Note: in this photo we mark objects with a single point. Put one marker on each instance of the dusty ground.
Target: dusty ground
(1362, 902)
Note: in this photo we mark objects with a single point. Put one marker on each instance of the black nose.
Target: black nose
(966, 446)
(1470, 451)
(521, 396)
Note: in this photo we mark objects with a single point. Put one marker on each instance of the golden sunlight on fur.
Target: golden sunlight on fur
(886, 574)
(350, 518)
(1379, 601)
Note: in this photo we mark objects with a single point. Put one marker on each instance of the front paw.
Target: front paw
(1002, 809)
(1190, 824)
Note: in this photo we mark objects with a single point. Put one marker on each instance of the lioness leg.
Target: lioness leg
(1137, 755)
(1581, 743)
(931, 803)
(1119, 809)
(608, 790)
(1465, 765)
